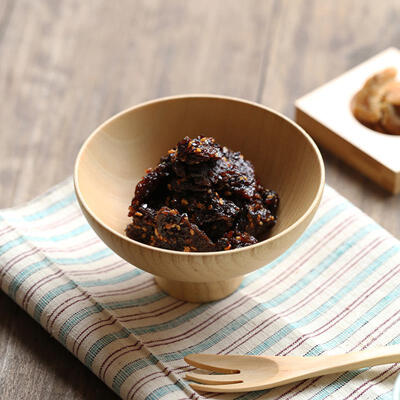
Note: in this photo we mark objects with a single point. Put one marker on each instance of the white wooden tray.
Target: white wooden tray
(325, 114)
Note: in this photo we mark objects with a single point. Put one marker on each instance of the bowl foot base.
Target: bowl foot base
(199, 292)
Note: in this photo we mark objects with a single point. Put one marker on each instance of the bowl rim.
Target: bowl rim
(310, 209)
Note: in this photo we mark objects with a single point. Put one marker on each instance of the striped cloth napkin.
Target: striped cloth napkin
(335, 290)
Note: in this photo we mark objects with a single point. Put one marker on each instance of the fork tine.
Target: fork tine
(213, 362)
(213, 379)
(231, 388)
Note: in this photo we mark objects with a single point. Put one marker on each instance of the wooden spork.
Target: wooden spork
(248, 373)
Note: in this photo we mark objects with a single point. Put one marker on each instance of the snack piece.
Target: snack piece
(367, 102)
(234, 240)
(143, 223)
(201, 197)
(174, 231)
(377, 104)
(391, 109)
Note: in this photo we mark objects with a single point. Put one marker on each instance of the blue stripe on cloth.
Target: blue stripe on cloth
(44, 212)
(117, 279)
(251, 395)
(57, 238)
(151, 360)
(385, 396)
(50, 296)
(238, 322)
(121, 376)
(96, 256)
(11, 244)
(171, 388)
(97, 307)
(51, 209)
(19, 279)
(163, 391)
(133, 366)
(337, 384)
(24, 239)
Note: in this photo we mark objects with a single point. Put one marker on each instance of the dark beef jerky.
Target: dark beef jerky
(154, 180)
(143, 224)
(204, 189)
(198, 150)
(175, 231)
(235, 240)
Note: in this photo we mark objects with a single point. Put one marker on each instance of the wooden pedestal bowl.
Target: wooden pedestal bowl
(113, 159)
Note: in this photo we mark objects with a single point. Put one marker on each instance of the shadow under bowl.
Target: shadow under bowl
(113, 159)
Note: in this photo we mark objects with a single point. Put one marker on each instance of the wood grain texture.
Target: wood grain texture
(68, 65)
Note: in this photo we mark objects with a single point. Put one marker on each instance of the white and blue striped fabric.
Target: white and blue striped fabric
(337, 289)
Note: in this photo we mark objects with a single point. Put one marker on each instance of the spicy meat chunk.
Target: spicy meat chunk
(202, 197)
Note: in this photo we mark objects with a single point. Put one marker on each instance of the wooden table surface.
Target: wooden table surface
(68, 65)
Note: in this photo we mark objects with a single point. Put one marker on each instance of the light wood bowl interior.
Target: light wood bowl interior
(115, 156)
